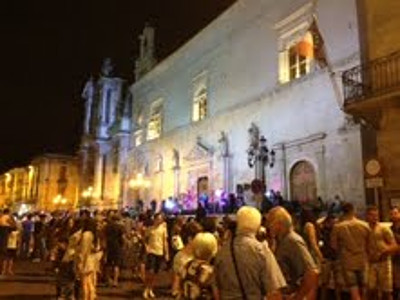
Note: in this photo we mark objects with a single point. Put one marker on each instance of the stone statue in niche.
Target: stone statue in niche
(254, 136)
(159, 163)
(223, 144)
(147, 41)
(175, 158)
(88, 95)
(107, 68)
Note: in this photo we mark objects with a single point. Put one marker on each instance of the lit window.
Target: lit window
(295, 61)
(154, 126)
(200, 105)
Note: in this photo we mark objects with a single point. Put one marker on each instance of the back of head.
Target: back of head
(347, 208)
(205, 246)
(372, 208)
(248, 219)
(191, 230)
(209, 224)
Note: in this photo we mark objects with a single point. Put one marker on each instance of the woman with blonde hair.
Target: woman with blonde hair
(89, 256)
(198, 273)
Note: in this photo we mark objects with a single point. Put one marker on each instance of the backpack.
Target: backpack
(192, 287)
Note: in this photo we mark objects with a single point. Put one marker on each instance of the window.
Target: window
(300, 57)
(296, 59)
(296, 44)
(154, 126)
(200, 104)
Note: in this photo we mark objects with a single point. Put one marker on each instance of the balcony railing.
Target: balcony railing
(375, 78)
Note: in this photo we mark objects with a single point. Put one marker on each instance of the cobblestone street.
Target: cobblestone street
(32, 282)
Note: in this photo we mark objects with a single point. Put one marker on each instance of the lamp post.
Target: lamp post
(259, 156)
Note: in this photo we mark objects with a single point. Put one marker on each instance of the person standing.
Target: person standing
(350, 239)
(244, 267)
(39, 235)
(298, 266)
(7, 223)
(157, 249)
(198, 272)
(114, 232)
(88, 259)
(381, 243)
(12, 246)
(395, 218)
(27, 229)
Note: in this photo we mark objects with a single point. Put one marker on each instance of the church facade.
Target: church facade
(105, 140)
(261, 70)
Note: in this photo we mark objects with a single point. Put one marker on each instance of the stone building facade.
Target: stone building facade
(274, 67)
(372, 95)
(105, 142)
(50, 182)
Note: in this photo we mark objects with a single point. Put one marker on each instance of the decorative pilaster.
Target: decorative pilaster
(176, 169)
(224, 153)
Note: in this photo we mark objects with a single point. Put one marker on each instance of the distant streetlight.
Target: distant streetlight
(139, 182)
(87, 195)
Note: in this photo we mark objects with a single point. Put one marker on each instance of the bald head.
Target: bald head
(279, 220)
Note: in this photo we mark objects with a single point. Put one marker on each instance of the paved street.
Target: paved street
(32, 282)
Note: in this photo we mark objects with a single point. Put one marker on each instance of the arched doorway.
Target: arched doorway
(303, 185)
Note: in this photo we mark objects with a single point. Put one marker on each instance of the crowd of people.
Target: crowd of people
(308, 253)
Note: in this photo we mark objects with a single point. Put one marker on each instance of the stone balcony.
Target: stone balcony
(370, 87)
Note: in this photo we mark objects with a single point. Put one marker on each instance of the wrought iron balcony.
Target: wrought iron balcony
(376, 78)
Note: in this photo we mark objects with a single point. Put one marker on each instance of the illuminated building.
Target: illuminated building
(36, 186)
(372, 96)
(105, 140)
(272, 64)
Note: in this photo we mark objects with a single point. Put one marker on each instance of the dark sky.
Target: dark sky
(50, 47)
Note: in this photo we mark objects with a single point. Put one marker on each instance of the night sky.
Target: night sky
(50, 47)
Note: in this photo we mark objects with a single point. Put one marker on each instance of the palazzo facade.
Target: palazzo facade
(49, 182)
(262, 68)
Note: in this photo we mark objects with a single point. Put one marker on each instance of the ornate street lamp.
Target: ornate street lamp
(259, 156)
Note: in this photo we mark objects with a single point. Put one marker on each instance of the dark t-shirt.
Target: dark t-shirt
(4, 233)
(27, 227)
(114, 233)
